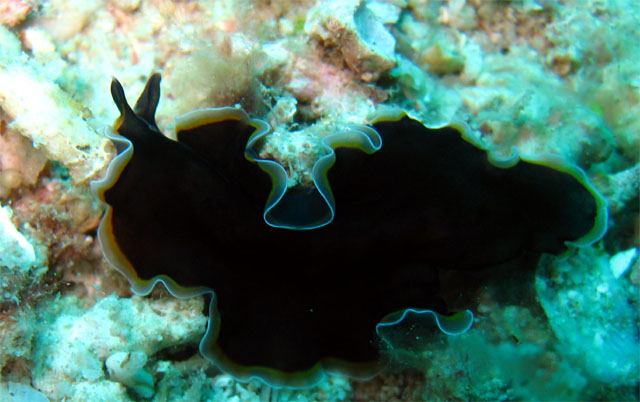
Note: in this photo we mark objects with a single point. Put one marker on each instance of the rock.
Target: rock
(355, 29)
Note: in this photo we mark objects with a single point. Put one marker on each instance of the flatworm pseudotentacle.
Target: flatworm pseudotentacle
(391, 204)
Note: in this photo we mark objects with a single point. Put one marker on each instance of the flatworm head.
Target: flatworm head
(309, 281)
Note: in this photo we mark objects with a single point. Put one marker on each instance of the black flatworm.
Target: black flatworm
(303, 280)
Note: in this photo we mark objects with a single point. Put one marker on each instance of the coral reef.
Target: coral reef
(539, 76)
(73, 345)
(17, 392)
(19, 264)
(20, 162)
(225, 69)
(603, 341)
(128, 369)
(13, 12)
(356, 31)
(61, 132)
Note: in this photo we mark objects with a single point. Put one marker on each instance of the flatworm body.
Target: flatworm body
(303, 279)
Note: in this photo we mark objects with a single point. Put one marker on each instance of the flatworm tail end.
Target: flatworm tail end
(410, 328)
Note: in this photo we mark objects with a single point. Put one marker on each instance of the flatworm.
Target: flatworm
(306, 281)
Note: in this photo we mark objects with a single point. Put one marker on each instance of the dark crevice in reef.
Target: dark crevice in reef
(305, 114)
(178, 353)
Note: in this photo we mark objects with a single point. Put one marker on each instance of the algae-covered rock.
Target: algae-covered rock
(73, 344)
(21, 264)
(44, 113)
(128, 369)
(16, 253)
(588, 302)
(18, 392)
(20, 162)
(356, 29)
